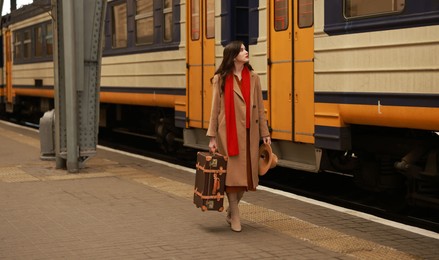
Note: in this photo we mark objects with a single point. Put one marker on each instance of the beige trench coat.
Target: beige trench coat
(236, 165)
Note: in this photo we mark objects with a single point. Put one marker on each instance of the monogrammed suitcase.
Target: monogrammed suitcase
(210, 180)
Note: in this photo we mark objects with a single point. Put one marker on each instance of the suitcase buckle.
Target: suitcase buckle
(210, 204)
(213, 163)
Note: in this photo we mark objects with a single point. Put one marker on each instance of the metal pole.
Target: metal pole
(58, 79)
(79, 43)
(1, 7)
(70, 85)
(13, 5)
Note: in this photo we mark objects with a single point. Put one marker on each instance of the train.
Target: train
(349, 86)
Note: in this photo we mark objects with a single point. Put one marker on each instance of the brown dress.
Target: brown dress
(231, 189)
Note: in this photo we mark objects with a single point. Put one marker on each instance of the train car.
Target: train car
(27, 55)
(349, 86)
(376, 86)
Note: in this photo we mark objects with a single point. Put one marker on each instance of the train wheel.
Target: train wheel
(377, 174)
(166, 135)
(423, 182)
(367, 175)
(343, 161)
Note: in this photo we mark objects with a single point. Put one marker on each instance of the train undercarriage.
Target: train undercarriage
(148, 122)
(402, 162)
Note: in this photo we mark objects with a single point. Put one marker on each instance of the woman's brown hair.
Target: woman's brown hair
(228, 63)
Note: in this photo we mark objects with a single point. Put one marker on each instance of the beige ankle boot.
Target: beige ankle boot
(235, 222)
(229, 215)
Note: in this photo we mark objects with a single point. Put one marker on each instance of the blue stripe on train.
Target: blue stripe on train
(385, 99)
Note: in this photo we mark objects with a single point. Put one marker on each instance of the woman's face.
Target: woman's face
(242, 56)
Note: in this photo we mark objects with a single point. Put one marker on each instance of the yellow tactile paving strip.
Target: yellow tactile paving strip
(320, 236)
(14, 174)
(97, 168)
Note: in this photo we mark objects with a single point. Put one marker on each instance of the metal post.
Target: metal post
(78, 35)
(13, 5)
(58, 80)
(79, 40)
(70, 85)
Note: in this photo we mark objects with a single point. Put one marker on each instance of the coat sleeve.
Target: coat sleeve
(263, 124)
(212, 131)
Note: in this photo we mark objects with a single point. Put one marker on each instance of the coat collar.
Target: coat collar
(237, 89)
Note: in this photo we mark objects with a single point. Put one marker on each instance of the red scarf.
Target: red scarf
(232, 135)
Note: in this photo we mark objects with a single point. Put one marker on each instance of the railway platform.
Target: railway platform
(123, 206)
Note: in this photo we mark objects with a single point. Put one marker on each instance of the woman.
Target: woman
(237, 123)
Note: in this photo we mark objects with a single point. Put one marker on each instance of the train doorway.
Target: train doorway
(280, 55)
(291, 70)
(200, 60)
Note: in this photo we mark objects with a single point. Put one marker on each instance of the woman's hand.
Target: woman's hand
(267, 140)
(212, 145)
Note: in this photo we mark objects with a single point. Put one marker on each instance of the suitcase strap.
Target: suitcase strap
(221, 170)
(216, 183)
(218, 196)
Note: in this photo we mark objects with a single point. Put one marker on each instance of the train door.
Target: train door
(200, 60)
(9, 93)
(291, 70)
(280, 56)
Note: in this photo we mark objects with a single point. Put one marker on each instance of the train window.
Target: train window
(49, 39)
(33, 44)
(119, 26)
(144, 22)
(365, 8)
(280, 15)
(142, 26)
(38, 43)
(27, 44)
(306, 13)
(210, 19)
(167, 15)
(195, 20)
(17, 45)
